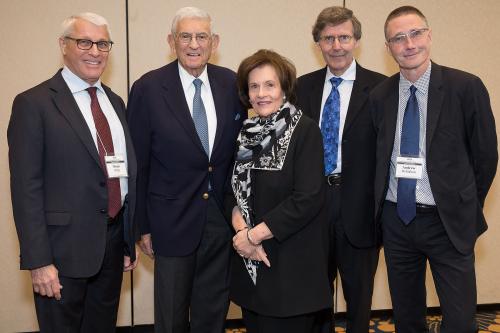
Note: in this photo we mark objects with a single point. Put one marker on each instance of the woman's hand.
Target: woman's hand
(242, 245)
(260, 255)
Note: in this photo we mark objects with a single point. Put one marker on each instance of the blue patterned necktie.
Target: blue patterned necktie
(200, 116)
(410, 135)
(330, 123)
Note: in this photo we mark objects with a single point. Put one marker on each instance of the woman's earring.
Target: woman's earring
(284, 98)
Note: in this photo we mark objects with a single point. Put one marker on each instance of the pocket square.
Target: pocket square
(237, 116)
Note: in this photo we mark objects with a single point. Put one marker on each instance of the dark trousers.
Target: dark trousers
(87, 305)
(356, 266)
(191, 293)
(256, 323)
(407, 249)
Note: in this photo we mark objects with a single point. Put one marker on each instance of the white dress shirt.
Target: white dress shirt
(77, 87)
(207, 98)
(345, 90)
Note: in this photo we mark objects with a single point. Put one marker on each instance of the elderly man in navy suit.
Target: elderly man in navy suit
(184, 120)
(436, 159)
(73, 178)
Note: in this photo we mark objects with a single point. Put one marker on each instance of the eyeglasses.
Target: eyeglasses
(413, 35)
(185, 37)
(87, 44)
(330, 39)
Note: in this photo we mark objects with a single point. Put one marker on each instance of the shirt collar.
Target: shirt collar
(187, 79)
(422, 84)
(75, 83)
(348, 75)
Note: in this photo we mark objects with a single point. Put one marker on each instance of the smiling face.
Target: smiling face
(264, 90)
(338, 56)
(413, 55)
(86, 64)
(193, 56)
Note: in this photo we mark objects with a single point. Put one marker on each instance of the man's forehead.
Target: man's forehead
(193, 24)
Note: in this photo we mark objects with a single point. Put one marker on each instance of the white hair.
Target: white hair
(190, 12)
(68, 25)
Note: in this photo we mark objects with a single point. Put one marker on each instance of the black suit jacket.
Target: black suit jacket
(358, 150)
(291, 202)
(461, 148)
(173, 169)
(59, 193)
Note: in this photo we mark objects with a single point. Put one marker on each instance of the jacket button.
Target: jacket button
(103, 211)
(210, 168)
(205, 196)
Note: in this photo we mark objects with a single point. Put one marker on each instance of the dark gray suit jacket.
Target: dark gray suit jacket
(58, 187)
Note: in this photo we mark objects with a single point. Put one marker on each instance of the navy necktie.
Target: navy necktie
(200, 116)
(410, 135)
(330, 123)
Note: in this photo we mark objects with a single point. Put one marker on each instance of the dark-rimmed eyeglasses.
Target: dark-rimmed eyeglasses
(413, 35)
(87, 44)
(330, 39)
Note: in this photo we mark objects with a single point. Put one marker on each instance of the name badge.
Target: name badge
(115, 165)
(409, 167)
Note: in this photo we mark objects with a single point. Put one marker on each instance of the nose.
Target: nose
(193, 43)
(94, 51)
(409, 42)
(336, 44)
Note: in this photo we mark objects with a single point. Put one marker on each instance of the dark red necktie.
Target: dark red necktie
(105, 145)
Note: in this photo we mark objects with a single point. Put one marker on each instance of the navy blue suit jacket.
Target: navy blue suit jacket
(173, 169)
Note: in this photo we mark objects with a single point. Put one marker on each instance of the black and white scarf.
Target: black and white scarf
(262, 144)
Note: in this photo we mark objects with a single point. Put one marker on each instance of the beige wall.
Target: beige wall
(463, 35)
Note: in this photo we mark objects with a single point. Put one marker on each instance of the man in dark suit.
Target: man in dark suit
(354, 250)
(184, 120)
(436, 159)
(73, 170)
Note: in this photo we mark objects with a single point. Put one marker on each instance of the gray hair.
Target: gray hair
(68, 25)
(190, 12)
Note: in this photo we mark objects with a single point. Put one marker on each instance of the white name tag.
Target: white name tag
(115, 165)
(409, 167)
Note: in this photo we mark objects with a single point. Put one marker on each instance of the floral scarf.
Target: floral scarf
(262, 144)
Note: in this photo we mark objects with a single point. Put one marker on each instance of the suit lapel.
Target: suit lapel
(390, 116)
(358, 98)
(436, 97)
(176, 102)
(317, 95)
(219, 95)
(66, 104)
(120, 112)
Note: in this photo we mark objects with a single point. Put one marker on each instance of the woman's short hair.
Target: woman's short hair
(284, 68)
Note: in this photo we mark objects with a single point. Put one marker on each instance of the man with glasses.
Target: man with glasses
(184, 119)
(436, 159)
(336, 98)
(73, 176)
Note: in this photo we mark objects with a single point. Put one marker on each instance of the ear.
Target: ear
(62, 45)
(215, 42)
(171, 42)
